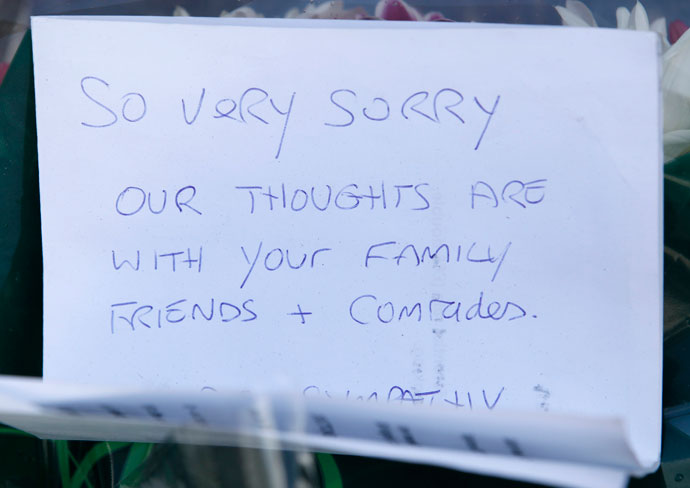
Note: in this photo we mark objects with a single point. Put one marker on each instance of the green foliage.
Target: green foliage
(329, 471)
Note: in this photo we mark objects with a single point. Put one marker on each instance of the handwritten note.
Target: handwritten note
(466, 217)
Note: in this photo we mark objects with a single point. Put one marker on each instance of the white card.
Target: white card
(554, 449)
(362, 210)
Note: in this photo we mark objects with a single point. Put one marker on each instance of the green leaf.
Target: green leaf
(329, 470)
(13, 431)
(76, 463)
(95, 454)
(63, 455)
(137, 456)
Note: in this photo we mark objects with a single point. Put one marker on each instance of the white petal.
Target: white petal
(675, 85)
(581, 10)
(329, 9)
(638, 18)
(570, 18)
(659, 26)
(685, 34)
(241, 12)
(622, 18)
(378, 10)
(308, 10)
(293, 13)
(180, 12)
(415, 13)
(675, 144)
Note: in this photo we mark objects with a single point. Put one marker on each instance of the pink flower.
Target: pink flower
(335, 9)
(3, 70)
(436, 16)
(676, 29)
(396, 10)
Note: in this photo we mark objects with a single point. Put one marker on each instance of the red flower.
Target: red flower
(3, 70)
(396, 10)
(676, 29)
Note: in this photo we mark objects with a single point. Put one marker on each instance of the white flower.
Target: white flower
(675, 81)
(636, 19)
(180, 12)
(241, 12)
(326, 10)
(577, 14)
(675, 85)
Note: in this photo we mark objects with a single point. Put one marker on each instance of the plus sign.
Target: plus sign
(300, 313)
